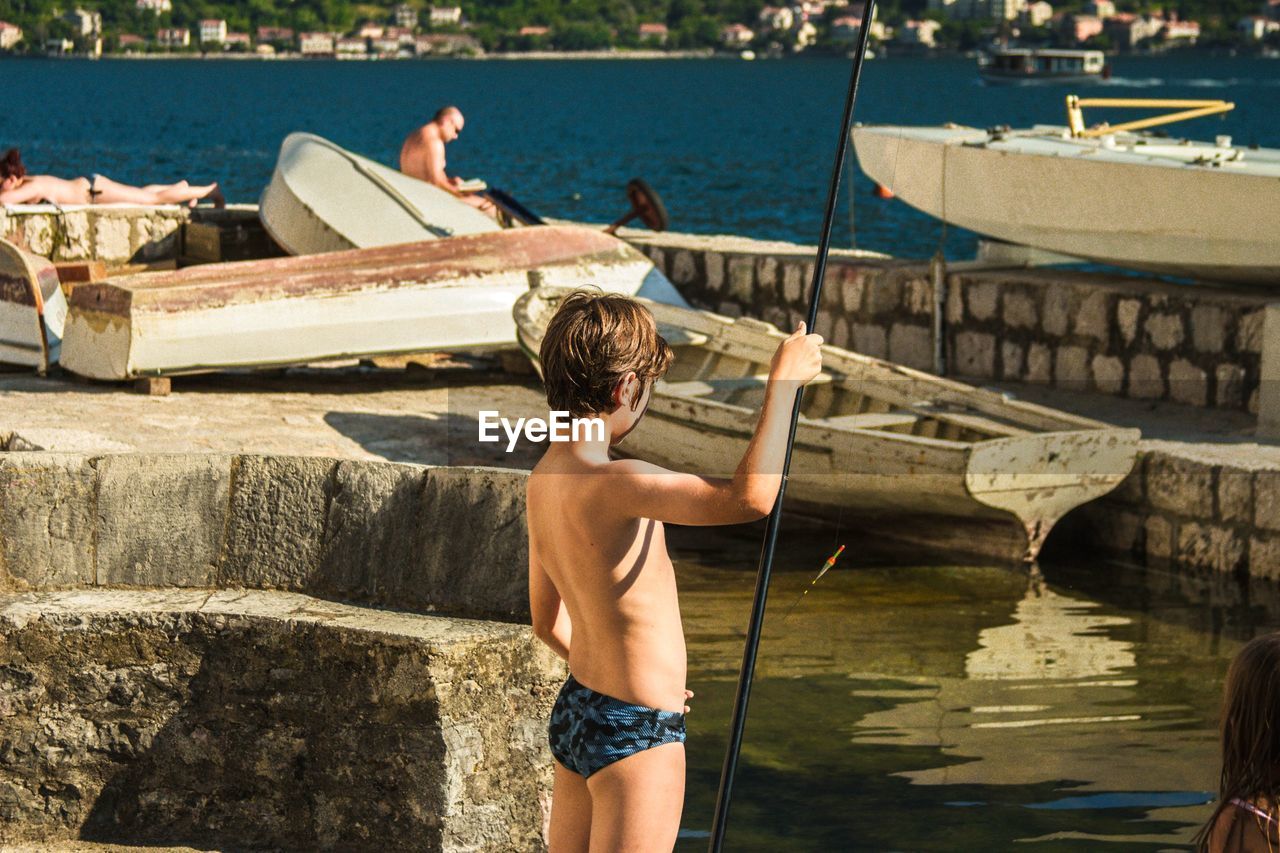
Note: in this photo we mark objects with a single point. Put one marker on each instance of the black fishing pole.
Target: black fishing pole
(720, 823)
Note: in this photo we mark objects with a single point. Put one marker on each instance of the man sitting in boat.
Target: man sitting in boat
(17, 187)
(422, 157)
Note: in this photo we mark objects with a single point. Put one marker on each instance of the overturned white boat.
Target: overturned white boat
(875, 440)
(32, 309)
(1110, 194)
(323, 198)
(442, 295)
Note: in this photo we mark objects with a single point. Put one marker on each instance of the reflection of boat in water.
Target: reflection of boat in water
(875, 437)
(1023, 65)
(1041, 698)
(1051, 637)
(1111, 194)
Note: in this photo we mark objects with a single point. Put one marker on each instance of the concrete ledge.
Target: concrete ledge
(114, 234)
(268, 719)
(417, 538)
(174, 667)
(1194, 507)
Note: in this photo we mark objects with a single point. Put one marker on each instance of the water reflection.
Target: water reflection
(954, 708)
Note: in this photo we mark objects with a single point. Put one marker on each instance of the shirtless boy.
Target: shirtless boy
(602, 590)
(422, 156)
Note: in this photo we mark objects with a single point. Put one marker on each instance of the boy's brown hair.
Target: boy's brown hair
(593, 340)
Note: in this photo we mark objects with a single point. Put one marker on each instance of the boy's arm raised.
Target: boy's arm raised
(650, 491)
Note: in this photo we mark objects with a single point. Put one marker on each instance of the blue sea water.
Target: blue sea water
(877, 721)
(733, 147)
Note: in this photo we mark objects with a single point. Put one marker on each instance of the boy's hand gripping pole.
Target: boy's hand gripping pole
(721, 821)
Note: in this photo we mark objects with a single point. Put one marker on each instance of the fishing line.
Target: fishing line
(724, 795)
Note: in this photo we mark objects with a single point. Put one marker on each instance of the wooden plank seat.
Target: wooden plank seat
(967, 420)
(873, 420)
(707, 387)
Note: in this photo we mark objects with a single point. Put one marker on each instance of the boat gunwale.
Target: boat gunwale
(1087, 427)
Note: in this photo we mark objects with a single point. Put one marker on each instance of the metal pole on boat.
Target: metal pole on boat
(720, 823)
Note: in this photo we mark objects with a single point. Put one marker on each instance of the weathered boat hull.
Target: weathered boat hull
(1146, 213)
(875, 440)
(446, 295)
(32, 309)
(323, 198)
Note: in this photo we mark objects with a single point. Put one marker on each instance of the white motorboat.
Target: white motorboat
(1110, 194)
(1029, 65)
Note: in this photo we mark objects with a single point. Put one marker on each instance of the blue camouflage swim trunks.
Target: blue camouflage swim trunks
(589, 731)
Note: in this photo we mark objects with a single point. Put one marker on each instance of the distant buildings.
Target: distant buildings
(920, 33)
(351, 46)
(1036, 14)
(213, 31)
(1004, 10)
(275, 35)
(534, 32)
(84, 23)
(154, 6)
(736, 35)
(1175, 30)
(653, 33)
(131, 43)
(776, 18)
(1256, 27)
(447, 44)
(10, 35)
(1127, 31)
(445, 16)
(406, 16)
(1100, 8)
(173, 37)
(315, 44)
(1081, 28)
(237, 41)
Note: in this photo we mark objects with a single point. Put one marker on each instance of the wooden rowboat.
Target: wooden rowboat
(447, 295)
(32, 309)
(875, 439)
(323, 198)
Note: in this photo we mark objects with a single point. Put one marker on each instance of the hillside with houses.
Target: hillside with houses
(340, 29)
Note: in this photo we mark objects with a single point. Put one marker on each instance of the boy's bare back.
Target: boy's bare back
(613, 573)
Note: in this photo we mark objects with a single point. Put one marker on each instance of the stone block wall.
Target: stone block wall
(115, 235)
(871, 304)
(1190, 507)
(251, 651)
(1113, 334)
(109, 233)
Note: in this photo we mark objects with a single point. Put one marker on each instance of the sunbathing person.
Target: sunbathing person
(17, 187)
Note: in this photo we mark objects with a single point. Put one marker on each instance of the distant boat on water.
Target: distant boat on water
(1110, 194)
(1024, 65)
